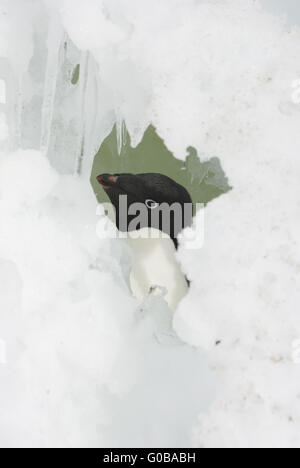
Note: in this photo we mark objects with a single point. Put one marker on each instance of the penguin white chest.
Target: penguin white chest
(154, 264)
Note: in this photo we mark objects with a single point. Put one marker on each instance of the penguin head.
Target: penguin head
(165, 205)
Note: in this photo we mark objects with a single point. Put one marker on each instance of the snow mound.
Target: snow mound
(95, 367)
(87, 356)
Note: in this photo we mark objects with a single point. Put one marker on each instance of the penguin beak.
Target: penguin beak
(107, 180)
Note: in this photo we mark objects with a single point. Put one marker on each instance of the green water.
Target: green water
(203, 180)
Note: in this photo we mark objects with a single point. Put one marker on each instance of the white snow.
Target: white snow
(16, 19)
(288, 8)
(2, 92)
(80, 347)
(87, 364)
(3, 127)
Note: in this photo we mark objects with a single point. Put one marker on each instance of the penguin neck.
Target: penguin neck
(155, 264)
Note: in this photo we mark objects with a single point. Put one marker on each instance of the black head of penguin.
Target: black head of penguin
(165, 204)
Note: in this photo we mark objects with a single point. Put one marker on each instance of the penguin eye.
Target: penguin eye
(151, 204)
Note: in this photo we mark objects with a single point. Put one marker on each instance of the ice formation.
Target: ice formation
(81, 362)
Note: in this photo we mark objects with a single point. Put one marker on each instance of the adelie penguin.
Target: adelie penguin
(153, 209)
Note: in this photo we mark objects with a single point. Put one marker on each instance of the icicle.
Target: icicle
(18, 112)
(2, 91)
(121, 134)
(93, 125)
(83, 90)
(56, 41)
(9, 97)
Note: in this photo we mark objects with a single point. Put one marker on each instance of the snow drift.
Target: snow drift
(85, 364)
